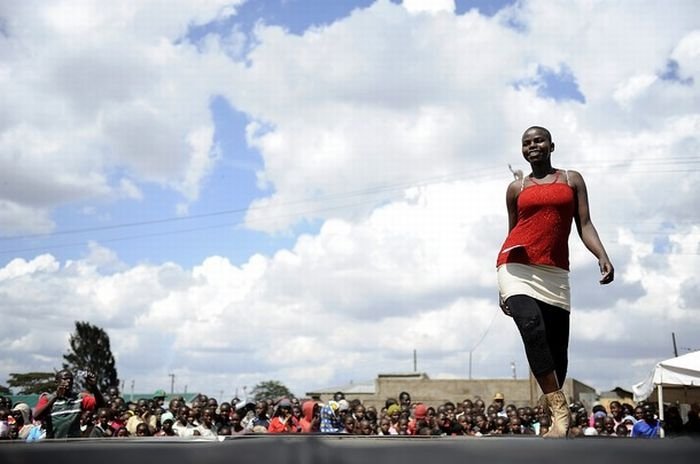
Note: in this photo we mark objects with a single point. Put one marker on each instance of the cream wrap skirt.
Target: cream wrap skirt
(548, 284)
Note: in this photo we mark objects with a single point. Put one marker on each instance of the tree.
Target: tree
(5, 391)
(90, 351)
(270, 389)
(33, 383)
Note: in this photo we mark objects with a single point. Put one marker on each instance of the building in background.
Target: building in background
(422, 388)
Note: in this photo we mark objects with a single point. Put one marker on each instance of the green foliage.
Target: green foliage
(33, 383)
(270, 389)
(90, 351)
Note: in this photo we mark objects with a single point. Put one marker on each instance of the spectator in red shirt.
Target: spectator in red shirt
(310, 420)
(284, 421)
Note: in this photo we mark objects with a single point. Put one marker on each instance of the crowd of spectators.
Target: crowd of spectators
(204, 417)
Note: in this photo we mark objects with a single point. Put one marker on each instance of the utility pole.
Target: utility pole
(172, 383)
(675, 348)
(415, 361)
(470, 365)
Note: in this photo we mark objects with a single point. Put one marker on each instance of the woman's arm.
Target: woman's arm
(586, 229)
(512, 203)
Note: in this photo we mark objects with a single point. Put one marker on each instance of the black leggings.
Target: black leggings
(545, 332)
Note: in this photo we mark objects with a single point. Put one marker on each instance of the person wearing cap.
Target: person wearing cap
(22, 415)
(159, 397)
(343, 409)
(499, 401)
(283, 421)
(420, 413)
(598, 410)
(171, 412)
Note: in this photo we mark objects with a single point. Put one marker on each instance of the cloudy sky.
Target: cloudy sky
(309, 190)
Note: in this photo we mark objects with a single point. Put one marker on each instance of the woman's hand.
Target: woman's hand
(504, 306)
(606, 270)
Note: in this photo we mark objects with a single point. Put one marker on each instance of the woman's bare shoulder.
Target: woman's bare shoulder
(575, 178)
(572, 173)
(514, 187)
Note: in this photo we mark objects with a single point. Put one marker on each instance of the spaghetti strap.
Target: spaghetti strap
(522, 183)
(566, 172)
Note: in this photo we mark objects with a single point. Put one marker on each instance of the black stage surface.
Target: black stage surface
(309, 449)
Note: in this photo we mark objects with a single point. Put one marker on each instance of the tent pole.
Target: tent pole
(660, 391)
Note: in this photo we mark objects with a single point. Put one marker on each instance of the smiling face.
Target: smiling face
(616, 409)
(537, 145)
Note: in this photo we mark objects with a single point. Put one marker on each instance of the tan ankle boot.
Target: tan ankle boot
(559, 409)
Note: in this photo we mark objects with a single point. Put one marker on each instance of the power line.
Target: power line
(172, 232)
(486, 173)
(488, 329)
(339, 195)
(478, 175)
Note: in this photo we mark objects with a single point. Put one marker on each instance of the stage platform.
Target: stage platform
(311, 449)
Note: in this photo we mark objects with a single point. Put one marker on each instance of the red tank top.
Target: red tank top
(541, 235)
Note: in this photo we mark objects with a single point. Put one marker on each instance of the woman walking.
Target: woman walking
(533, 265)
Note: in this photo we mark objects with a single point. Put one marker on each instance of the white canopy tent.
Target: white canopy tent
(677, 378)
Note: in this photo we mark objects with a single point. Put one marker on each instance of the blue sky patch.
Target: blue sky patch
(559, 85)
(662, 245)
(671, 73)
(485, 7)
(296, 16)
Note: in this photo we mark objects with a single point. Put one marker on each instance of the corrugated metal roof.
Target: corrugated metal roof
(366, 387)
